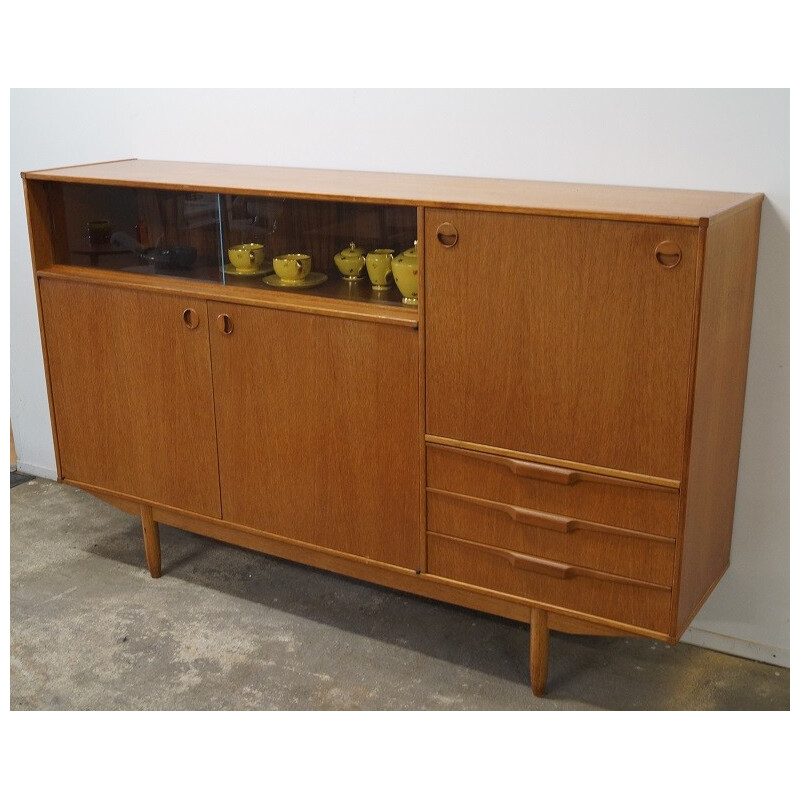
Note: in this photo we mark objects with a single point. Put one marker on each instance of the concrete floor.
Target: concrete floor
(225, 628)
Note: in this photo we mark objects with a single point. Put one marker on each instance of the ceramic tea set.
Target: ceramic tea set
(246, 259)
(382, 266)
(293, 270)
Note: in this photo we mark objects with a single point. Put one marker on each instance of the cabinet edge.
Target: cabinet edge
(713, 443)
(326, 307)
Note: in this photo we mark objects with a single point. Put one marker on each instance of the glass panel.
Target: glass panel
(192, 235)
(320, 230)
(137, 230)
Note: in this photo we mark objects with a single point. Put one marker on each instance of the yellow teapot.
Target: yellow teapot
(405, 269)
(350, 262)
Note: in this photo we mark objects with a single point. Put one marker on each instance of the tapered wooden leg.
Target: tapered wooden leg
(152, 541)
(540, 644)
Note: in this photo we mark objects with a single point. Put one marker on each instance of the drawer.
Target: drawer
(587, 544)
(555, 490)
(565, 586)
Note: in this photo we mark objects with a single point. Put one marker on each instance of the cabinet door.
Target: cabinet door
(560, 337)
(317, 429)
(131, 387)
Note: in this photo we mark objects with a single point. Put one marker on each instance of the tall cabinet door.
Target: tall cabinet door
(130, 379)
(317, 429)
(566, 338)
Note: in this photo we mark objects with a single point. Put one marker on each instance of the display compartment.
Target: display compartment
(190, 235)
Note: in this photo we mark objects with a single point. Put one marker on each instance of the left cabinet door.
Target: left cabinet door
(130, 379)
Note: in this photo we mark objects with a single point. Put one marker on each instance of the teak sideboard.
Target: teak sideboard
(551, 435)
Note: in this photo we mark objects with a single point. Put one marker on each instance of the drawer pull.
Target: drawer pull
(524, 516)
(544, 519)
(539, 519)
(552, 569)
(555, 569)
(526, 469)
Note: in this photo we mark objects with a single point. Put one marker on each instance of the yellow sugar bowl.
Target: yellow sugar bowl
(379, 268)
(292, 267)
(350, 262)
(246, 257)
(405, 269)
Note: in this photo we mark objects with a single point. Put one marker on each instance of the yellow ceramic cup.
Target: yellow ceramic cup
(292, 267)
(246, 257)
(379, 267)
(406, 276)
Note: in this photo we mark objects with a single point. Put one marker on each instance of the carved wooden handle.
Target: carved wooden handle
(526, 469)
(224, 324)
(191, 319)
(540, 519)
(447, 234)
(553, 569)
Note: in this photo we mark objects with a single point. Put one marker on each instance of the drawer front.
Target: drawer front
(572, 493)
(586, 544)
(568, 587)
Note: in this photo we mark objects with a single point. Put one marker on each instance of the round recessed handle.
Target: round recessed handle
(668, 254)
(191, 319)
(447, 234)
(225, 324)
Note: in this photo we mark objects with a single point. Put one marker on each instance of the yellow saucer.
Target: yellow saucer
(312, 279)
(229, 269)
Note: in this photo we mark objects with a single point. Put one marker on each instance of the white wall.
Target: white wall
(734, 140)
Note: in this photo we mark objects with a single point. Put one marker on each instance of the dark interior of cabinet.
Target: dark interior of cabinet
(187, 234)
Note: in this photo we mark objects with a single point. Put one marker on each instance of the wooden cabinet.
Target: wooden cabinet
(552, 434)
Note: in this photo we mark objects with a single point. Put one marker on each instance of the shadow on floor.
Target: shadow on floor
(604, 672)
(20, 477)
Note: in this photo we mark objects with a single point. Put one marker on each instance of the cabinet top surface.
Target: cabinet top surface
(678, 206)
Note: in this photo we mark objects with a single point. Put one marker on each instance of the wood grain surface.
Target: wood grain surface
(131, 388)
(731, 250)
(423, 500)
(677, 206)
(564, 338)
(573, 541)
(152, 541)
(588, 496)
(539, 652)
(41, 244)
(503, 571)
(316, 423)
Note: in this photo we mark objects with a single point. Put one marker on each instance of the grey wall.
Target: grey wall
(734, 140)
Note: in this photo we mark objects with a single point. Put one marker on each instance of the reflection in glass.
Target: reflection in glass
(190, 234)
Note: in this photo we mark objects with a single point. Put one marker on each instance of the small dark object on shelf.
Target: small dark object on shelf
(178, 257)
